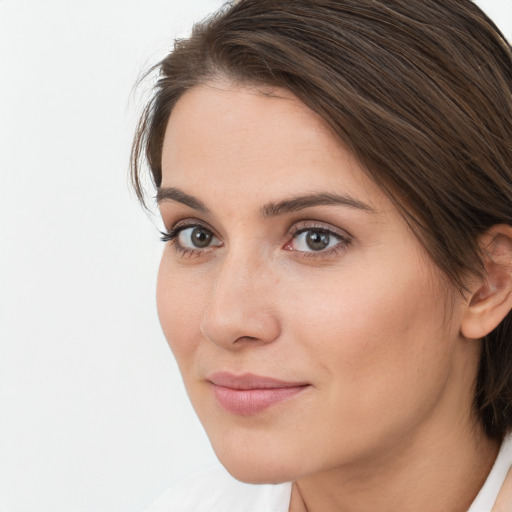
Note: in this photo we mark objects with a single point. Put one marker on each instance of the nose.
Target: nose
(240, 309)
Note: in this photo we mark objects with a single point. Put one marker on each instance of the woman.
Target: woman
(335, 180)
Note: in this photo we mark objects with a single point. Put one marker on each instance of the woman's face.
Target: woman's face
(308, 323)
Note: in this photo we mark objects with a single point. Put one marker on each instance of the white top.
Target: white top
(488, 493)
(214, 490)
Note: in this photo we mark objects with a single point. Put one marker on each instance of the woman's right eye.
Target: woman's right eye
(191, 238)
(196, 237)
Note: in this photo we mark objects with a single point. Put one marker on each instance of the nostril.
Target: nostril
(246, 338)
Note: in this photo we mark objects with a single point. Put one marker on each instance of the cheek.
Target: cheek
(180, 309)
(378, 335)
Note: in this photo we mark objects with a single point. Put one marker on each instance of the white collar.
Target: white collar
(489, 492)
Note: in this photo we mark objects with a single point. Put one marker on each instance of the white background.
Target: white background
(93, 415)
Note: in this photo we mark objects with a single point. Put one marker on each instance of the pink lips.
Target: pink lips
(249, 394)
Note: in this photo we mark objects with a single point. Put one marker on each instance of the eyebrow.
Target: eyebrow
(272, 209)
(321, 199)
(175, 194)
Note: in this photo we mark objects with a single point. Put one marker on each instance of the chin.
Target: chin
(256, 465)
(249, 474)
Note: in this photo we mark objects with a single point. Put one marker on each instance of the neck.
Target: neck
(424, 474)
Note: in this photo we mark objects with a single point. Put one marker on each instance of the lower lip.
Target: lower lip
(246, 402)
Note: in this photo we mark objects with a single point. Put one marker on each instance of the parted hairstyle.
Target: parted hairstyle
(420, 91)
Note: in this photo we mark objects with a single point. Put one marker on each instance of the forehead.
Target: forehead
(223, 140)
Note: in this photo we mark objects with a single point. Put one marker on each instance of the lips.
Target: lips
(249, 394)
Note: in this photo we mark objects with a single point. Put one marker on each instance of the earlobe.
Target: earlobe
(491, 296)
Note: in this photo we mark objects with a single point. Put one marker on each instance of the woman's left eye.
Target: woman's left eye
(311, 240)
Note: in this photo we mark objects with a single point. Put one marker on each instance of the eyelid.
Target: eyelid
(306, 225)
(172, 237)
(189, 222)
(344, 238)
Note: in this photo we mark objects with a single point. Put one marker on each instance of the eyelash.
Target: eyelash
(171, 236)
(344, 240)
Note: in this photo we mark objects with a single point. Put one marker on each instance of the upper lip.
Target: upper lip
(250, 381)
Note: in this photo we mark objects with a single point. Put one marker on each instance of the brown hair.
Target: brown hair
(420, 91)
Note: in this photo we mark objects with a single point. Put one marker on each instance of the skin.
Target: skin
(386, 423)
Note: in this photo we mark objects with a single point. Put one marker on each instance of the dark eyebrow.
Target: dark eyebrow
(321, 199)
(175, 194)
(271, 209)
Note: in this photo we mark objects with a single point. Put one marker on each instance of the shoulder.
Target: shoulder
(214, 490)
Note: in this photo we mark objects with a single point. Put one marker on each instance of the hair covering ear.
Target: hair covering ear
(491, 296)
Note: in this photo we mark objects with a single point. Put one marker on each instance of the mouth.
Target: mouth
(248, 394)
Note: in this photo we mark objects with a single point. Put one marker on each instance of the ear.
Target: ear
(490, 297)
